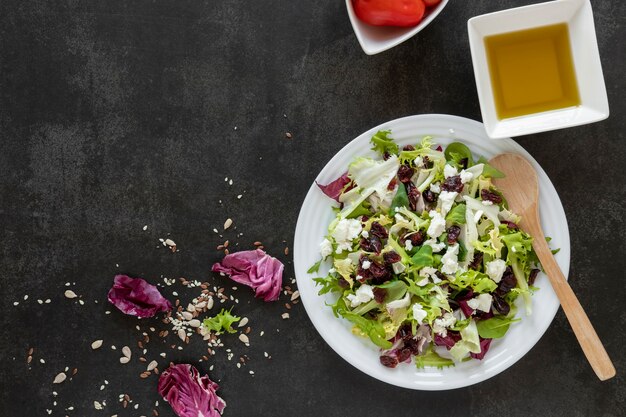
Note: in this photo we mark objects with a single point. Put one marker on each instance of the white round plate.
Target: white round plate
(316, 215)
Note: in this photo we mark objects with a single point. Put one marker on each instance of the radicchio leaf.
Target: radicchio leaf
(136, 297)
(334, 188)
(256, 269)
(189, 394)
(484, 347)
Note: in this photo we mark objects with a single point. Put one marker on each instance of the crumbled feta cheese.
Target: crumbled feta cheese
(366, 264)
(428, 272)
(408, 245)
(345, 232)
(359, 278)
(419, 314)
(365, 234)
(437, 247)
(449, 171)
(437, 224)
(450, 260)
(446, 199)
(332, 270)
(487, 203)
(495, 269)
(466, 176)
(435, 188)
(418, 161)
(400, 218)
(363, 295)
(482, 302)
(478, 215)
(398, 267)
(403, 302)
(326, 248)
(440, 325)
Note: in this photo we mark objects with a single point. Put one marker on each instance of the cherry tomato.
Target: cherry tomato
(431, 3)
(389, 12)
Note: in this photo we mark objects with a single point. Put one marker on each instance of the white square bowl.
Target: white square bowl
(579, 18)
(376, 39)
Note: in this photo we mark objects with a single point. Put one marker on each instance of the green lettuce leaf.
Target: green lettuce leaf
(488, 170)
(430, 358)
(423, 257)
(456, 151)
(495, 327)
(401, 199)
(222, 322)
(383, 143)
(469, 342)
(328, 284)
(315, 267)
(457, 214)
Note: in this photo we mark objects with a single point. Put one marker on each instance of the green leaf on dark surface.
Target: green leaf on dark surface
(221, 322)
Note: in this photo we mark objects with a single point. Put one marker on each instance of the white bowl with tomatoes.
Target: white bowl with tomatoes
(382, 24)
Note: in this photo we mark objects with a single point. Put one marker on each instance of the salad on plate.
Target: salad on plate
(425, 257)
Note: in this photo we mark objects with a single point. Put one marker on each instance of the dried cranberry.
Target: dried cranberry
(481, 315)
(453, 234)
(487, 195)
(371, 244)
(453, 184)
(391, 257)
(377, 270)
(413, 194)
(463, 163)
(379, 294)
(533, 276)
(388, 361)
(440, 275)
(343, 283)
(427, 162)
(408, 148)
(405, 332)
(477, 261)
(413, 345)
(429, 196)
(392, 184)
(510, 225)
(500, 305)
(404, 354)
(405, 173)
(417, 238)
(386, 156)
(507, 283)
(378, 230)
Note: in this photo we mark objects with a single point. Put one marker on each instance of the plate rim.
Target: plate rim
(440, 119)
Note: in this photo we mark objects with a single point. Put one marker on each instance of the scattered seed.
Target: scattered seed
(226, 243)
(152, 365)
(124, 359)
(59, 378)
(30, 351)
(295, 295)
(181, 335)
(244, 339)
(226, 251)
(288, 306)
(228, 223)
(285, 316)
(187, 315)
(70, 294)
(288, 135)
(194, 323)
(126, 352)
(96, 344)
(29, 359)
(243, 322)
(286, 251)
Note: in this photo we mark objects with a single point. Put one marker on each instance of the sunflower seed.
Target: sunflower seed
(228, 223)
(152, 365)
(243, 322)
(126, 352)
(181, 334)
(244, 339)
(70, 294)
(96, 345)
(194, 323)
(187, 315)
(295, 295)
(124, 359)
(59, 378)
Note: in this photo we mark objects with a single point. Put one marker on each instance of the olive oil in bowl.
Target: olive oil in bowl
(532, 71)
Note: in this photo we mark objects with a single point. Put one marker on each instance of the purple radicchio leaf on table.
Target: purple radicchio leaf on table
(256, 269)
(189, 394)
(334, 188)
(136, 297)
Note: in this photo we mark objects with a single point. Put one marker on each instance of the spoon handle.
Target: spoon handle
(584, 331)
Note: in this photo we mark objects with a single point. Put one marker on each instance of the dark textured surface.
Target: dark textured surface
(115, 115)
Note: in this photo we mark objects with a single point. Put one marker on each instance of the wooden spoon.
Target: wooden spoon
(521, 190)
